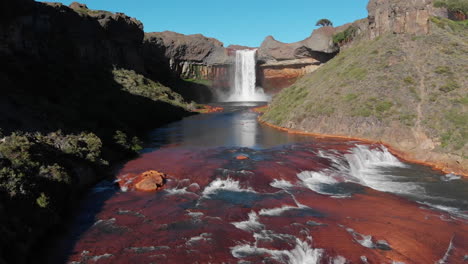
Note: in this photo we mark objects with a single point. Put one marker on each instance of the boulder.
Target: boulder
(150, 181)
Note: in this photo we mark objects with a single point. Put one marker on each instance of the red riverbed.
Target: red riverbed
(216, 208)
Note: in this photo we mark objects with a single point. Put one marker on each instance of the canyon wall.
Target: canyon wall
(401, 16)
(187, 57)
(197, 57)
(281, 64)
(75, 93)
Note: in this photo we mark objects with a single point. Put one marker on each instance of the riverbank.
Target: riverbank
(402, 154)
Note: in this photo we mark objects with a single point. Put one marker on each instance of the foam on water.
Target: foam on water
(302, 253)
(281, 184)
(196, 239)
(363, 166)
(179, 191)
(224, 184)
(251, 224)
(315, 181)
(276, 211)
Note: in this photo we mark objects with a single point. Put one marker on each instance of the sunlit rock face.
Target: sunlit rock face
(275, 76)
(281, 64)
(401, 16)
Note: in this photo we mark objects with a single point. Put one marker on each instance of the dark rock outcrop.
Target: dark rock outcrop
(172, 56)
(57, 73)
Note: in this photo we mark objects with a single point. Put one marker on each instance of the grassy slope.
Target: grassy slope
(410, 91)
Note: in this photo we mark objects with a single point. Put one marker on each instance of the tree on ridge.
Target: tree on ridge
(324, 22)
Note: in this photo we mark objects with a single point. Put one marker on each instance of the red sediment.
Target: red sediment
(207, 109)
(400, 154)
(260, 109)
(164, 228)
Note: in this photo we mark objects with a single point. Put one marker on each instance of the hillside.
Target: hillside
(407, 90)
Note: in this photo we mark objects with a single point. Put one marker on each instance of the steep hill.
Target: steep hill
(408, 90)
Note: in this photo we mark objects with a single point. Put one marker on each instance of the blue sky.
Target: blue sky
(243, 22)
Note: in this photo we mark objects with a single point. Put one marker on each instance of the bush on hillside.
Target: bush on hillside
(460, 6)
(345, 36)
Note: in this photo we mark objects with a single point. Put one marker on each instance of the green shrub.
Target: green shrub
(12, 181)
(121, 139)
(345, 36)
(453, 5)
(43, 201)
(449, 86)
(443, 70)
(54, 172)
(350, 97)
(456, 26)
(16, 149)
(383, 106)
(409, 80)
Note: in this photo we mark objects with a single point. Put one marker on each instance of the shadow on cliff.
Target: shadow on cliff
(56, 74)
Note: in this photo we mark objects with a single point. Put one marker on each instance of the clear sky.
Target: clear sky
(243, 22)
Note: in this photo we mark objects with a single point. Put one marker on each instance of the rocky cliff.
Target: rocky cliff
(75, 93)
(188, 57)
(402, 82)
(281, 64)
(201, 58)
(397, 16)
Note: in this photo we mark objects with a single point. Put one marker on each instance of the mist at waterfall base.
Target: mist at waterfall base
(243, 88)
(295, 199)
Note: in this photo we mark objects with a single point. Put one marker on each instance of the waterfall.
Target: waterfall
(244, 89)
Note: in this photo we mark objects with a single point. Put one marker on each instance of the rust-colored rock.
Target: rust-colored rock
(150, 181)
(275, 76)
(242, 157)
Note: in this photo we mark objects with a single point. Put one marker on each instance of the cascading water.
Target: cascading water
(244, 80)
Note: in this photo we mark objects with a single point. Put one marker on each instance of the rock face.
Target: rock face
(201, 58)
(281, 64)
(274, 76)
(57, 73)
(401, 16)
(188, 56)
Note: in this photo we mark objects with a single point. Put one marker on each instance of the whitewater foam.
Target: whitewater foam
(276, 211)
(302, 253)
(224, 184)
(251, 224)
(281, 184)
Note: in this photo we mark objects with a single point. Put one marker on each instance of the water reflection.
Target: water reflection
(237, 126)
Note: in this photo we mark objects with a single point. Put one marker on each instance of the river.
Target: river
(290, 199)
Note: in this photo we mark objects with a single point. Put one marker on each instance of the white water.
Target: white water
(244, 89)
(226, 184)
(303, 253)
(361, 166)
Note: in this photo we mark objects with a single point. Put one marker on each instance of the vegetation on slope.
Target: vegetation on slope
(401, 80)
(453, 5)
